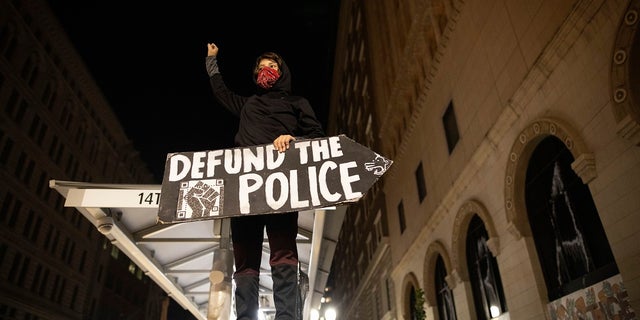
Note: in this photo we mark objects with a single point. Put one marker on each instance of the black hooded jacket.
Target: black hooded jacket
(267, 114)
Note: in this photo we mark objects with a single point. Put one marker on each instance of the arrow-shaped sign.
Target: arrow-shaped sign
(313, 173)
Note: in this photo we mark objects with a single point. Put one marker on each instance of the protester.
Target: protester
(271, 115)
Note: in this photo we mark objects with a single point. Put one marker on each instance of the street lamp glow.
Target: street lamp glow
(330, 314)
(495, 311)
(315, 315)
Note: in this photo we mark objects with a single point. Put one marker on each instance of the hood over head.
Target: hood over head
(283, 84)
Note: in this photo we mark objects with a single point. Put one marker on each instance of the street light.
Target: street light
(330, 314)
(315, 315)
(495, 311)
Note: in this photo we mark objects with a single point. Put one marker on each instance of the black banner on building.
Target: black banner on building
(313, 173)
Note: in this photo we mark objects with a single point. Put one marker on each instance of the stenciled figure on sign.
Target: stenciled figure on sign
(271, 115)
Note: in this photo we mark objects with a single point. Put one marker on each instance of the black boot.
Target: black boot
(286, 295)
(246, 297)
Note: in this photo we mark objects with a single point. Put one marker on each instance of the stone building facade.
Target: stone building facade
(56, 124)
(514, 127)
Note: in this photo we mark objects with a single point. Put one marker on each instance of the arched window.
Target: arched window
(413, 298)
(412, 302)
(446, 307)
(483, 273)
(572, 247)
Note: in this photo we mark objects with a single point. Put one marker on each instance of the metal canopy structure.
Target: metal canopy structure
(180, 257)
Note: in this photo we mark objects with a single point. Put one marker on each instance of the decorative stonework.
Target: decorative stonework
(584, 166)
(458, 243)
(624, 75)
(494, 246)
(608, 299)
(514, 231)
(408, 282)
(403, 85)
(453, 279)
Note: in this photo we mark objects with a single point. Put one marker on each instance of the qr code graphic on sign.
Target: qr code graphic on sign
(200, 199)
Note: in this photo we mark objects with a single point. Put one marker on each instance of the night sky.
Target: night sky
(148, 60)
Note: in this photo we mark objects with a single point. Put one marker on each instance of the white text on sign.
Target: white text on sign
(203, 164)
(320, 159)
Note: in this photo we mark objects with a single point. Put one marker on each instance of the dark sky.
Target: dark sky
(148, 59)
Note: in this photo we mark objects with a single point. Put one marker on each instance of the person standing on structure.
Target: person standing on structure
(271, 115)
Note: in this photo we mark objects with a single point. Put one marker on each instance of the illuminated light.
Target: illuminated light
(315, 315)
(330, 314)
(322, 300)
(495, 311)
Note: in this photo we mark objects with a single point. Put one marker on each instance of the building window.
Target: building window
(413, 315)
(378, 227)
(570, 240)
(446, 306)
(450, 127)
(388, 292)
(403, 223)
(484, 275)
(422, 189)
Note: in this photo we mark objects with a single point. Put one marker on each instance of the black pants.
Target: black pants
(247, 234)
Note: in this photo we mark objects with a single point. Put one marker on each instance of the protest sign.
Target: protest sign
(313, 173)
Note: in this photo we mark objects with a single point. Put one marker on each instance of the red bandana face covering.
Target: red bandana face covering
(267, 77)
